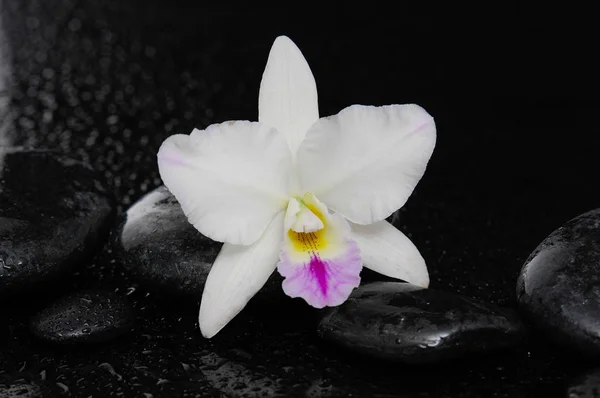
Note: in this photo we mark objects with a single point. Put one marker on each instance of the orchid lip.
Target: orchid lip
(321, 265)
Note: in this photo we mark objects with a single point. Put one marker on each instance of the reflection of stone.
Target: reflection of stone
(54, 213)
(406, 323)
(559, 285)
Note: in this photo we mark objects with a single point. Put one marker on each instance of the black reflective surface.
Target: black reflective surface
(107, 81)
(160, 248)
(52, 211)
(405, 323)
(558, 285)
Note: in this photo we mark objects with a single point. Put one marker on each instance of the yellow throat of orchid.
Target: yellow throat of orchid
(308, 231)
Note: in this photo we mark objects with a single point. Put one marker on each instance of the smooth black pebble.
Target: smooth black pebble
(164, 252)
(84, 317)
(161, 249)
(559, 285)
(405, 323)
(54, 213)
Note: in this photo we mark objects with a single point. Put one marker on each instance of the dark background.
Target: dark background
(514, 92)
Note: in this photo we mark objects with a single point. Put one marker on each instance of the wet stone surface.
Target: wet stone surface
(405, 323)
(161, 249)
(559, 285)
(54, 213)
(20, 390)
(84, 317)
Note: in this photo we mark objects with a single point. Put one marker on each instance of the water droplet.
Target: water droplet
(63, 387)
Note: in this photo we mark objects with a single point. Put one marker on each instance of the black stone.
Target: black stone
(84, 317)
(54, 213)
(406, 323)
(559, 285)
(161, 249)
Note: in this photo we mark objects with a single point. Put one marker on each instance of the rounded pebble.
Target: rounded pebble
(406, 323)
(559, 285)
(161, 249)
(54, 213)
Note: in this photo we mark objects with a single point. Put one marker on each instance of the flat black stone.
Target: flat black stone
(84, 317)
(54, 213)
(406, 323)
(559, 285)
(161, 249)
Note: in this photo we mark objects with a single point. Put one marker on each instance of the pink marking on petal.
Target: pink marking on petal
(319, 272)
(172, 159)
(322, 282)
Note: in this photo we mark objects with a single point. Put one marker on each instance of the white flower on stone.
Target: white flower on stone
(305, 195)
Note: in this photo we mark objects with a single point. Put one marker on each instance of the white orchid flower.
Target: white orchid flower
(307, 196)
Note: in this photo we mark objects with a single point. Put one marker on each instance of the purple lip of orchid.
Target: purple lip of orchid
(320, 261)
(322, 283)
(307, 196)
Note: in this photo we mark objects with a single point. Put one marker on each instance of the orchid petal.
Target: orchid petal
(238, 273)
(288, 93)
(386, 250)
(365, 161)
(230, 179)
